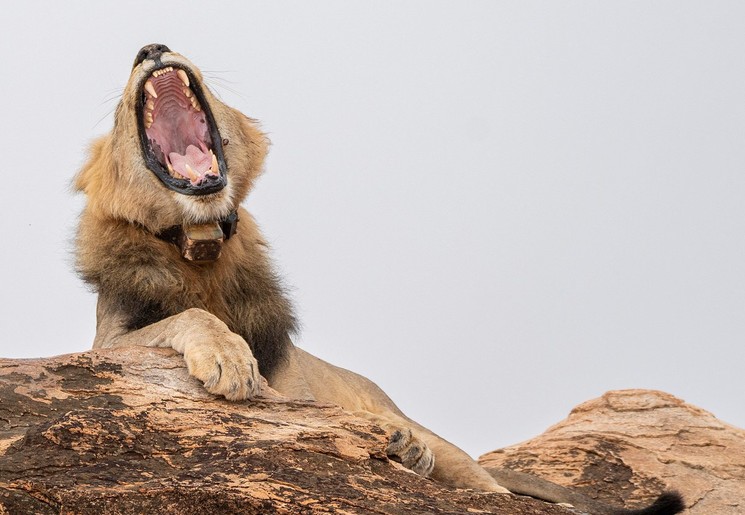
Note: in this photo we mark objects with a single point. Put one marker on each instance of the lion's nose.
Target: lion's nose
(153, 52)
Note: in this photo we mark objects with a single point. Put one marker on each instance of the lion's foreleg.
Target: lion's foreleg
(214, 354)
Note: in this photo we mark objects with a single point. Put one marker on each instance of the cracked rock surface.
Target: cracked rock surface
(130, 432)
(640, 442)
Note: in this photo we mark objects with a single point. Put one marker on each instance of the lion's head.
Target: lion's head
(176, 154)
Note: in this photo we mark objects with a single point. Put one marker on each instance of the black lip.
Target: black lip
(210, 184)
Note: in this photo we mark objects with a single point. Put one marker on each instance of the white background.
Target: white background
(496, 210)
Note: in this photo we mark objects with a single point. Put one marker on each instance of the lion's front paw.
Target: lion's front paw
(227, 368)
(410, 451)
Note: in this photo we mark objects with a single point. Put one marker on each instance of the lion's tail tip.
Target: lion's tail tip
(669, 503)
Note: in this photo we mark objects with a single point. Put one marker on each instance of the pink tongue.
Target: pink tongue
(200, 163)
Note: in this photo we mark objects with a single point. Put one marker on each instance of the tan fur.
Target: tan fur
(229, 318)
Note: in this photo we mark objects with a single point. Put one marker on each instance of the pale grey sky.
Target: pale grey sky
(495, 210)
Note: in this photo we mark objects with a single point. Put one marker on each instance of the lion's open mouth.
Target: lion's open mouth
(180, 141)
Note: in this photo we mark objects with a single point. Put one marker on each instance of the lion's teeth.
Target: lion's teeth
(150, 104)
(184, 78)
(158, 73)
(195, 104)
(148, 124)
(188, 93)
(192, 174)
(150, 88)
(214, 168)
(149, 118)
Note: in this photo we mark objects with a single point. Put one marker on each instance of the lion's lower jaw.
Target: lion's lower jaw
(207, 208)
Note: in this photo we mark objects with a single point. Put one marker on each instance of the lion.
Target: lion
(177, 262)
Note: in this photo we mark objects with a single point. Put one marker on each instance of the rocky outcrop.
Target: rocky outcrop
(114, 432)
(627, 446)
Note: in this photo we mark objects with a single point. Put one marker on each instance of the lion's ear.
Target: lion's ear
(99, 164)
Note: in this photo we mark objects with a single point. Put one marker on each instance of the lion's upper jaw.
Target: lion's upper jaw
(161, 166)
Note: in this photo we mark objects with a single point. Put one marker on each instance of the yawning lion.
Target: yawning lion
(178, 263)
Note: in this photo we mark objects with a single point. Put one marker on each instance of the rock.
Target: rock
(130, 432)
(627, 446)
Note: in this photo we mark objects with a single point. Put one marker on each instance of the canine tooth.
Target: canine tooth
(150, 89)
(170, 168)
(215, 169)
(184, 78)
(192, 174)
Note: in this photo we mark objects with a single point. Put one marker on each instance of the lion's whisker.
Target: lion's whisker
(108, 113)
(217, 84)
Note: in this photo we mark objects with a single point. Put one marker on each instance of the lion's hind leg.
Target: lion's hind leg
(404, 446)
(412, 452)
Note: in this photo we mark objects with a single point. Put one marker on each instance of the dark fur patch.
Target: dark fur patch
(269, 346)
(141, 313)
(261, 313)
